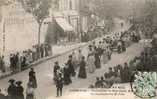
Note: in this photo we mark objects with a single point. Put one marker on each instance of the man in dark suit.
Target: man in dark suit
(59, 85)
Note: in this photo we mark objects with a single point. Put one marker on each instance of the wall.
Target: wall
(21, 29)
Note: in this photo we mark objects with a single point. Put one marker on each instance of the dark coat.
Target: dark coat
(56, 67)
(12, 91)
(32, 78)
(71, 68)
(19, 91)
(82, 70)
(67, 79)
(59, 83)
(97, 60)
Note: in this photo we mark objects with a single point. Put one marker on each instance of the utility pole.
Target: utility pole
(4, 36)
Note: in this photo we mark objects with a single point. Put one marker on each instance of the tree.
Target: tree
(146, 18)
(39, 9)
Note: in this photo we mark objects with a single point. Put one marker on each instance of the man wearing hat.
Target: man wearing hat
(11, 89)
(19, 90)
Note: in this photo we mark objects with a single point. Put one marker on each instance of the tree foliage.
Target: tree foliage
(146, 20)
(38, 8)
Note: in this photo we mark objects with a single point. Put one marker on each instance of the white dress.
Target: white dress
(90, 62)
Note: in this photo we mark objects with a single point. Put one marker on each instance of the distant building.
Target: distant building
(65, 15)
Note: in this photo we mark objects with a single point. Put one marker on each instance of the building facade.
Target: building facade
(16, 27)
(69, 10)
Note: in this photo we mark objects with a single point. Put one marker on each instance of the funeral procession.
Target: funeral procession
(78, 49)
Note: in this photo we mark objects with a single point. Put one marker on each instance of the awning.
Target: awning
(64, 24)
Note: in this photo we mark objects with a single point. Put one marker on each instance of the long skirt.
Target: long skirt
(91, 64)
(105, 58)
(34, 81)
(97, 62)
(82, 72)
(30, 96)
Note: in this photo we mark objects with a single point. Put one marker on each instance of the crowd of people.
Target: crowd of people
(20, 60)
(117, 74)
(80, 65)
(16, 89)
(123, 74)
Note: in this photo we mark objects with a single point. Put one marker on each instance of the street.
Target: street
(78, 49)
(44, 73)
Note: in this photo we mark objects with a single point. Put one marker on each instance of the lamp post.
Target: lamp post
(3, 37)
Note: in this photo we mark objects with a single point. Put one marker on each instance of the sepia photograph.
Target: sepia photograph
(78, 49)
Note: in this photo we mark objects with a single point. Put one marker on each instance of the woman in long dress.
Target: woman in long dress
(74, 60)
(82, 70)
(91, 60)
(105, 56)
(97, 59)
(67, 78)
(30, 91)
(109, 52)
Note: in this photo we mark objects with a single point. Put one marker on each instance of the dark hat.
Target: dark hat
(70, 56)
(32, 68)
(56, 62)
(11, 81)
(90, 46)
(19, 82)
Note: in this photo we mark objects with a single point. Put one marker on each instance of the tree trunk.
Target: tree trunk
(39, 30)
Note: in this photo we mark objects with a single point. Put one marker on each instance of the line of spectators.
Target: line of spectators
(20, 60)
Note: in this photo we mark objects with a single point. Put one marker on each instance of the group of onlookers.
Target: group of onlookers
(16, 89)
(20, 60)
(147, 61)
(117, 74)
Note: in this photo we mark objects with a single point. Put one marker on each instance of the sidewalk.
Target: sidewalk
(57, 50)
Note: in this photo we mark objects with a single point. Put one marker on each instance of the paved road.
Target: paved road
(44, 71)
(47, 90)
